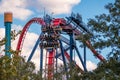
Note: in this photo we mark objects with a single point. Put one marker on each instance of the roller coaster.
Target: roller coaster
(56, 45)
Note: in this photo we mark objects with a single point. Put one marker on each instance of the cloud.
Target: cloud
(28, 45)
(17, 7)
(2, 33)
(29, 42)
(22, 9)
(55, 6)
(89, 64)
(16, 27)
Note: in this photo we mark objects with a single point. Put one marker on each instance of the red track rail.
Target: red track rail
(25, 29)
(51, 64)
(56, 22)
(68, 57)
(77, 32)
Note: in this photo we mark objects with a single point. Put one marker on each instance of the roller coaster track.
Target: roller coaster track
(56, 22)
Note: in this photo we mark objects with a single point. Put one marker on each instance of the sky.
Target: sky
(24, 10)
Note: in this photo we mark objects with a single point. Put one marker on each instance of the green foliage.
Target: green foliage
(106, 34)
(106, 27)
(16, 68)
(105, 71)
(2, 42)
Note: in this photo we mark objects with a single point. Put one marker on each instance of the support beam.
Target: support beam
(71, 47)
(7, 23)
(65, 48)
(41, 62)
(56, 60)
(63, 56)
(85, 69)
(34, 48)
(67, 41)
(50, 64)
(85, 55)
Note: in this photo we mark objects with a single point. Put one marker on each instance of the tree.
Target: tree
(106, 30)
(16, 68)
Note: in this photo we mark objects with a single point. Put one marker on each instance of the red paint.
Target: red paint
(24, 31)
(51, 56)
(55, 22)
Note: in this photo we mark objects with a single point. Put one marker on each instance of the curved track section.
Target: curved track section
(55, 22)
(77, 32)
(25, 29)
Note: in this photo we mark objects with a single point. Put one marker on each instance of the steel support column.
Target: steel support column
(56, 60)
(7, 38)
(7, 23)
(85, 55)
(41, 61)
(85, 69)
(71, 47)
(34, 48)
(63, 56)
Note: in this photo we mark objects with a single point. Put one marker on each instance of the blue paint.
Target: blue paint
(7, 38)
(56, 60)
(85, 55)
(33, 51)
(59, 54)
(63, 56)
(85, 69)
(71, 47)
(41, 61)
